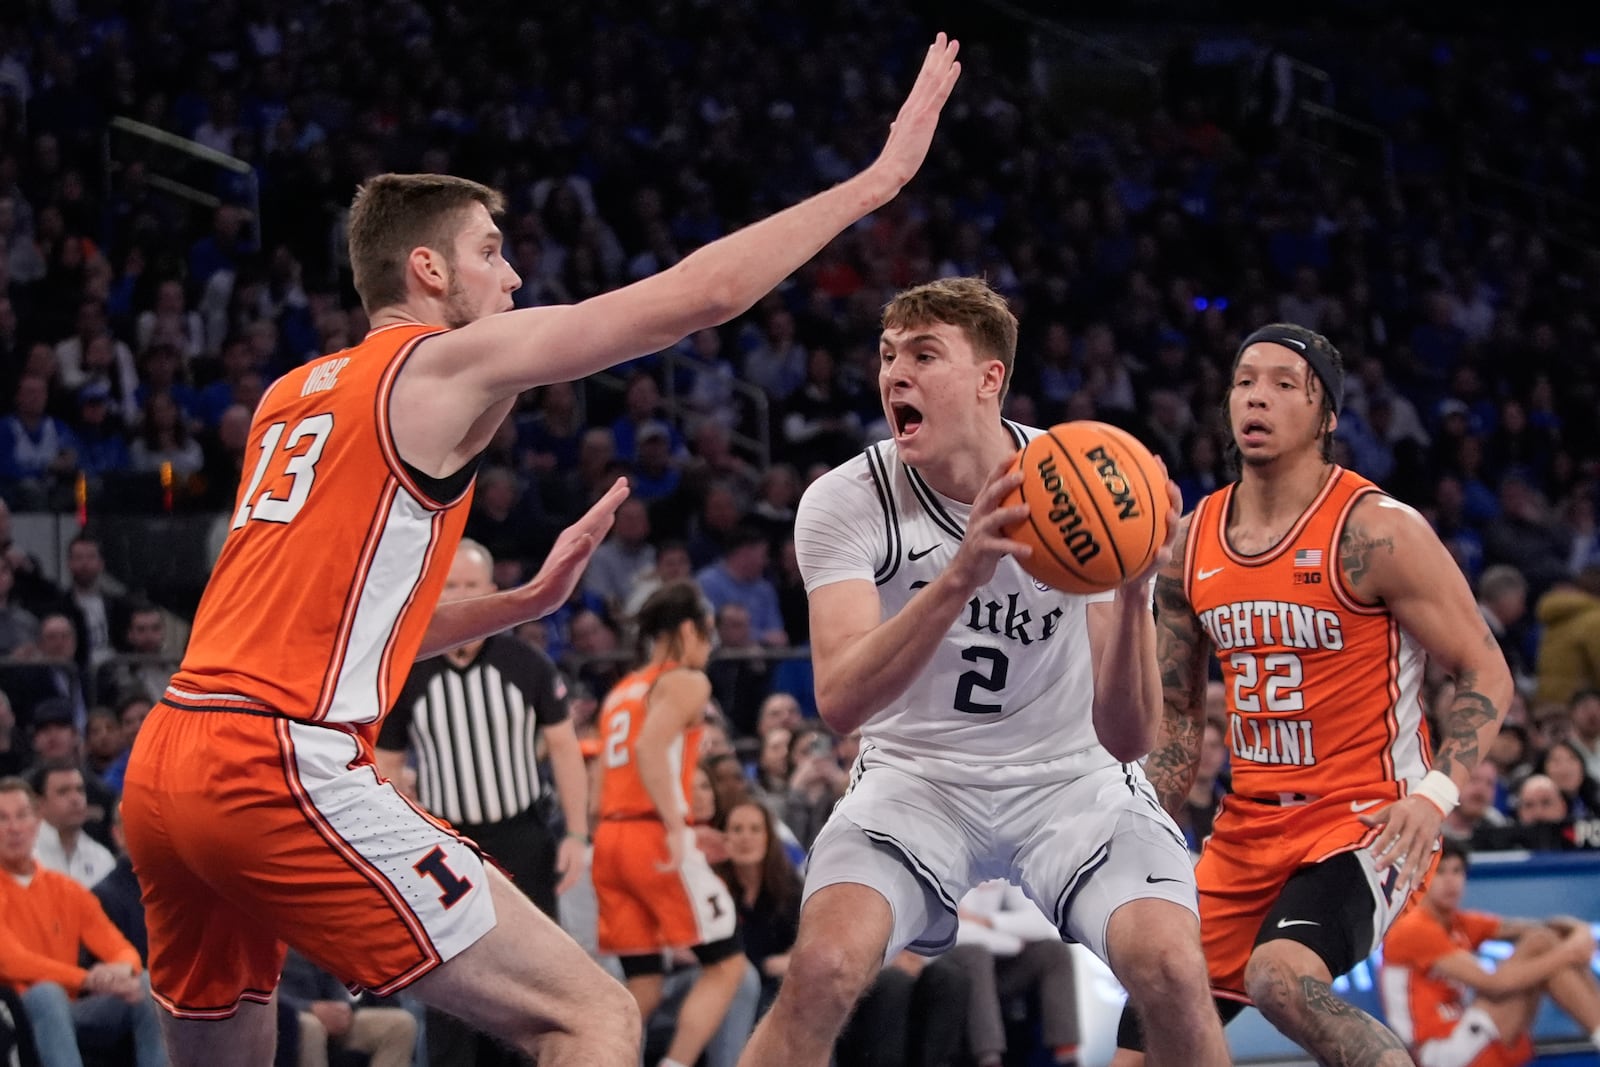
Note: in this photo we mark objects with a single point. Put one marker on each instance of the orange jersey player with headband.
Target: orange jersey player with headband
(254, 812)
(1322, 599)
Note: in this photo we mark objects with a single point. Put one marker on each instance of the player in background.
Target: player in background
(254, 814)
(654, 889)
(1323, 598)
(1450, 1009)
(999, 718)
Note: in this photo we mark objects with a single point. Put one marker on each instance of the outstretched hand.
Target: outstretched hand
(559, 576)
(913, 128)
(985, 542)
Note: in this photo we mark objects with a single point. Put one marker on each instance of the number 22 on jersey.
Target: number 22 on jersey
(298, 464)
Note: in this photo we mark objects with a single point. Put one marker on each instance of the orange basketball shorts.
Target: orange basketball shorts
(643, 909)
(1253, 850)
(251, 830)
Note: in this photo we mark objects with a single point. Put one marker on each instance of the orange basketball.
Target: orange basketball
(1097, 506)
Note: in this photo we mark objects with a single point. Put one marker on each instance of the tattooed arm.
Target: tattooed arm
(1389, 555)
(1181, 651)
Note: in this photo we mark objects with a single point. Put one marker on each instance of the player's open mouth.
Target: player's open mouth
(907, 420)
(1253, 430)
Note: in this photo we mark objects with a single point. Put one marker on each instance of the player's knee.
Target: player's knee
(1538, 941)
(1159, 976)
(1273, 984)
(832, 975)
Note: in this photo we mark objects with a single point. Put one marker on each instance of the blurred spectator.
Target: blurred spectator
(30, 587)
(102, 445)
(102, 741)
(38, 453)
(1008, 948)
(712, 460)
(164, 443)
(549, 438)
(119, 894)
(711, 532)
(113, 366)
(708, 390)
(740, 578)
(1476, 809)
(146, 669)
(1503, 603)
(1524, 537)
(642, 408)
(1569, 648)
(170, 321)
(774, 360)
(330, 1021)
(1584, 711)
(19, 630)
(1539, 801)
(13, 760)
(655, 476)
(217, 486)
(766, 892)
(671, 565)
(815, 785)
(773, 512)
(58, 647)
(623, 558)
(509, 523)
(63, 803)
(738, 682)
(818, 426)
(49, 921)
(90, 601)
(1563, 764)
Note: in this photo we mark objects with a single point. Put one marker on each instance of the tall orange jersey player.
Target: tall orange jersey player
(253, 811)
(1323, 599)
(653, 887)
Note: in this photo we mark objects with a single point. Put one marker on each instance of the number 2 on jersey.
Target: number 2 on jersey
(617, 740)
(993, 680)
(301, 468)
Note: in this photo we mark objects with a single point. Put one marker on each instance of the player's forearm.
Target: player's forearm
(1468, 727)
(572, 785)
(461, 622)
(865, 675)
(1181, 665)
(655, 774)
(1519, 975)
(1127, 679)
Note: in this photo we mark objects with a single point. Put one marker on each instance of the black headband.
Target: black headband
(1316, 349)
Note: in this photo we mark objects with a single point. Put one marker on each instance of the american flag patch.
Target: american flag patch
(1308, 557)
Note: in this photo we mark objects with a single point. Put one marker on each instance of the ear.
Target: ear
(430, 270)
(993, 380)
(1333, 422)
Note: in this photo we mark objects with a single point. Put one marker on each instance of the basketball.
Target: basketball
(1097, 507)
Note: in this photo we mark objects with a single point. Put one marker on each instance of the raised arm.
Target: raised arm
(1182, 650)
(1389, 555)
(1128, 700)
(503, 355)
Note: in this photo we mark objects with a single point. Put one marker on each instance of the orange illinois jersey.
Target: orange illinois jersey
(336, 555)
(1323, 692)
(622, 793)
(1418, 1004)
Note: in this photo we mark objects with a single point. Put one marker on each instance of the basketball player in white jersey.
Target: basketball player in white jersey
(999, 718)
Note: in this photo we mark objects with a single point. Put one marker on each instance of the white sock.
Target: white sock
(1594, 1037)
(666, 1062)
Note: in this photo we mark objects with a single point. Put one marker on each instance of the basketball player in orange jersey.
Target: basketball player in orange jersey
(254, 814)
(653, 887)
(1322, 598)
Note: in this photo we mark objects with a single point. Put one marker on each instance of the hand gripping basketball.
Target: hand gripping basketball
(986, 540)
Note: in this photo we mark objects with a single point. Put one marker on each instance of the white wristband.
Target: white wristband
(1438, 787)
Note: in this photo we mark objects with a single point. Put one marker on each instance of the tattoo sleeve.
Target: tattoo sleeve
(1460, 724)
(1181, 650)
(1356, 549)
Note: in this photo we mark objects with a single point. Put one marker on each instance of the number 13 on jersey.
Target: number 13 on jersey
(283, 457)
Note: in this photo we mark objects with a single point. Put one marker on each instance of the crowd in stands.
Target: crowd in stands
(137, 333)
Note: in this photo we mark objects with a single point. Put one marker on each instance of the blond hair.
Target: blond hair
(968, 304)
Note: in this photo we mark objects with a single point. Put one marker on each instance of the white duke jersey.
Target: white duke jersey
(1008, 696)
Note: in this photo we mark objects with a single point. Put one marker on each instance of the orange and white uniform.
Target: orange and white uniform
(643, 909)
(1325, 717)
(1434, 1015)
(254, 812)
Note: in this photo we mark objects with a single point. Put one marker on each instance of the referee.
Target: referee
(471, 719)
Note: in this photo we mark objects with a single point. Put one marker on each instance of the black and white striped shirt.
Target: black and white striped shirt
(472, 730)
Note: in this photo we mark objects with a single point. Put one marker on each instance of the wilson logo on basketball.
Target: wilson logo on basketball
(1064, 513)
(1116, 483)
